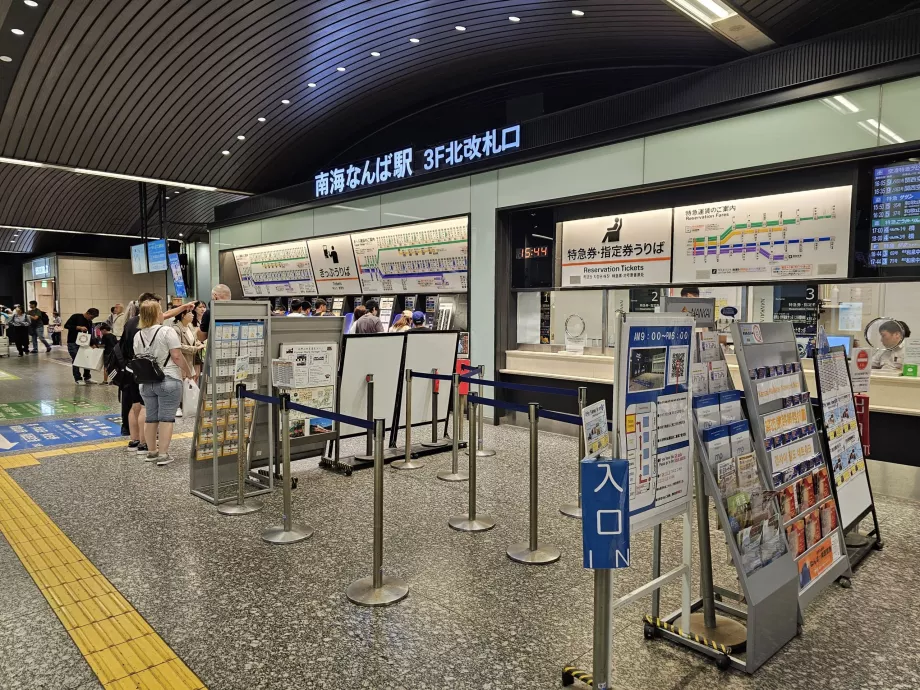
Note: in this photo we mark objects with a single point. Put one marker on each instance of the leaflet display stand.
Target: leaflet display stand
(843, 451)
(790, 453)
(428, 352)
(236, 353)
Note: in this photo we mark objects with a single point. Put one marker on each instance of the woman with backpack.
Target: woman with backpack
(159, 367)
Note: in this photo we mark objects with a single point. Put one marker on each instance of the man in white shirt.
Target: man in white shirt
(296, 308)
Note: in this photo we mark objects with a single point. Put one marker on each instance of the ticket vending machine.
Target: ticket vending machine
(388, 306)
(336, 306)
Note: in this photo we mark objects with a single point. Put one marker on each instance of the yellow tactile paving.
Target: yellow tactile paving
(118, 644)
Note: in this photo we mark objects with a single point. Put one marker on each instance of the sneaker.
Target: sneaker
(48, 349)
(152, 457)
(141, 447)
(132, 446)
(79, 383)
(179, 412)
(164, 460)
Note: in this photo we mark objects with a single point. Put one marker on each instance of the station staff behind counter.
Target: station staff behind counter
(891, 355)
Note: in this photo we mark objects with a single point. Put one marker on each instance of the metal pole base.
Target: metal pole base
(462, 523)
(448, 476)
(728, 632)
(278, 535)
(249, 506)
(362, 592)
(483, 453)
(855, 540)
(571, 510)
(521, 553)
(434, 444)
(407, 465)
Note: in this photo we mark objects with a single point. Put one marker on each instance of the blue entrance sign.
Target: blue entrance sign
(59, 432)
(605, 513)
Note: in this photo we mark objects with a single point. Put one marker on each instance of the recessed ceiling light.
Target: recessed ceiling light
(413, 40)
(339, 69)
(460, 28)
(514, 19)
(12, 241)
(578, 13)
(225, 152)
(167, 198)
(18, 32)
(6, 58)
(261, 119)
(311, 85)
(241, 137)
(285, 102)
(180, 234)
(31, 3)
(375, 54)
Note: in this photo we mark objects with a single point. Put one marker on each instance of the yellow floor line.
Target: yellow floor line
(118, 644)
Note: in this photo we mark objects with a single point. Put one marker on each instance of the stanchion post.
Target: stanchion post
(481, 452)
(378, 589)
(369, 379)
(434, 443)
(702, 526)
(471, 521)
(242, 505)
(574, 509)
(531, 551)
(408, 463)
(288, 532)
(455, 475)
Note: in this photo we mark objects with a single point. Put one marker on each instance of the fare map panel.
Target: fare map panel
(422, 257)
(895, 216)
(275, 270)
(782, 236)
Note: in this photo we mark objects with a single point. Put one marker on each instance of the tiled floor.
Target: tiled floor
(244, 614)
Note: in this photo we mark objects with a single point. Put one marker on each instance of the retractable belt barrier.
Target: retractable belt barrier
(550, 390)
(316, 412)
(434, 377)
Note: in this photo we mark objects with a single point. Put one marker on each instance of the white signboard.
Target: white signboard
(860, 368)
(594, 427)
(275, 270)
(420, 258)
(769, 238)
(313, 385)
(335, 270)
(629, 249)
(139, 258)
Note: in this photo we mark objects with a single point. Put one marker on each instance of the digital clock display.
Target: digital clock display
(532, 252)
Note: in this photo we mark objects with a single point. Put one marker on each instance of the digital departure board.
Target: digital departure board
(895, 241)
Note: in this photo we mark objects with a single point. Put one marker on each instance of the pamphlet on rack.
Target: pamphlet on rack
(594, 427)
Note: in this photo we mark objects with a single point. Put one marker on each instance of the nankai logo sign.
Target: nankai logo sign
(613, 233)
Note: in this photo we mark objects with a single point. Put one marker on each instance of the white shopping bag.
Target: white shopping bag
(83, 339)
(89, 358)
(190, 393)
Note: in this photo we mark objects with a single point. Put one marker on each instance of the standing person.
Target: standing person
(370, 322)
(356, 315)
(418, 321)
(79, 323)
(219, 293)
(119, 317)
(186, 325)
(161, 398)
(404, 323)
(19, 330)
(56, 328)
(37, 322)
(109, 343)
(200, 308)
(319, 306)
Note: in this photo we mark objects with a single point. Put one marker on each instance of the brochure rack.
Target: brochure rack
(790, 453)
(843, 451)
(236, 353)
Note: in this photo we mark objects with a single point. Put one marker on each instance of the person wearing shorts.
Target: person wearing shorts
(161, 398)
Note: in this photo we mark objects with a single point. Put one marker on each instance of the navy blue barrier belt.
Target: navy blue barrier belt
(325, 414)
(561, 417)
(497, 403)
(436, 377)
(467, 367)
(522, 387)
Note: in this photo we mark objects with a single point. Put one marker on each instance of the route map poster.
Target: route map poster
(275, 270)
(421, 258)
(334, 267)
(769, 238)
(629, 249)
(654, 415)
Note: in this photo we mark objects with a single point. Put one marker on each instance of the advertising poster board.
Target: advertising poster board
(428, 257)
(628, 249)
(654, 414)
(156, 256)
(335, 270)
(770, 238)
(594, 427)
(275, 270)
(314, 380)
(175, 267)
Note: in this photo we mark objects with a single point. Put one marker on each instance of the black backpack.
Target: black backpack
(144, 367)
(44, 319)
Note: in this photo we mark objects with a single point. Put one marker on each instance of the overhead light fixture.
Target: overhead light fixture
(167, 198)
(261, 119)
(12, 241)
(413, 40)
(68, 232)
(16, 161)
(720, 17)
(180, 234)
(225, 152)
(18, 32)
(311, 85)
(460, 28)
(241, 137)
(30, 3)
(514, 19)
(285, 101)
(543, 237)
(339, 69)
(374, 53)
(5, 58)
(578, 13)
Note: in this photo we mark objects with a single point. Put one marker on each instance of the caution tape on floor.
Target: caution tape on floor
(570, 674)
(699, 639)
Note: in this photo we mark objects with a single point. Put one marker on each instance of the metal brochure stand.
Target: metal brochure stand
(236, 353)
(768, 350)
(851, 486)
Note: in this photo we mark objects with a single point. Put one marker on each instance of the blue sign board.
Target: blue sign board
(605, 513)
(178, 281)
(156, 256)
(59, 432)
